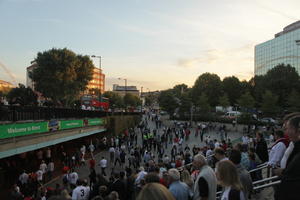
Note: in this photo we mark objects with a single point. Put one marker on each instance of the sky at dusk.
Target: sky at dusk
(152, 43)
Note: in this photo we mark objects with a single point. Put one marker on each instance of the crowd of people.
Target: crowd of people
(155, 161)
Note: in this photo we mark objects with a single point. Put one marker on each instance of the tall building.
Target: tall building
(97, 83)
(284, 48)
(29, 82)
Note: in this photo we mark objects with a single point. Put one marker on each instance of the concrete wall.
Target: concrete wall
(116, 125)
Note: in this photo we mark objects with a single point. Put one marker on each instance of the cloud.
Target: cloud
(216, 55)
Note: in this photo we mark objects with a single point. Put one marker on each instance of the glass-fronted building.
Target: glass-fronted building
(284, 48)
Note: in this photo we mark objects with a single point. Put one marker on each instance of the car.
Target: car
(269, 120)
(232, 114)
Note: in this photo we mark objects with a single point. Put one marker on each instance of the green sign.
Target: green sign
(66, 124)
(14, 130)
(96, 121)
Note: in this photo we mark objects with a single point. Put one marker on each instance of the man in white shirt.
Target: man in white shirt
(103, 165)
(80, 192)
(43, 167)
(39, 176)
(73, 177)
(277, 150)
(23, 178)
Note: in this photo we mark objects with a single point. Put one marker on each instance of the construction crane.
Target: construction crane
(9, 73)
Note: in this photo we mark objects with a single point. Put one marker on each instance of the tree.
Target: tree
(131, 100)
(61, 74)
(180, 89)
(211, 85)
(293, 101)
(224, 101)
(257, 84)
(246, 101)
(282, 80)
(232, 87)
(269, 103)
(114, 99)
(22, 95)
(202, 103)
(167, 101)
(185, 104)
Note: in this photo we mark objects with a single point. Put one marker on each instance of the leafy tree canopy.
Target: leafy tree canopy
(61, 74)
(246, 101)
(168, 101)
(211, 85)
(224, 101)
(281, 80)
(131, 100)
(115, 100)
(232, 87)
(22, 95)
(269, 103)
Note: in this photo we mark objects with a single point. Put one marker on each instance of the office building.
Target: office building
(284, 48)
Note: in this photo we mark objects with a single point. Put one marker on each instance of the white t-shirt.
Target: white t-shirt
(50, 167)
(103, 163)
(80, 193)
(43, 167)
(73, 178)
(111, 150)
(39, 175)
(23, 178)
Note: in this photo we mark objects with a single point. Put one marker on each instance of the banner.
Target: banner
(14, 130)
(96, 121)
(66, 124)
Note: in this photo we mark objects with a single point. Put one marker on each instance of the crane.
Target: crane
(9, 73)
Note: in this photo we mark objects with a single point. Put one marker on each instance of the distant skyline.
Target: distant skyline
(154, 44)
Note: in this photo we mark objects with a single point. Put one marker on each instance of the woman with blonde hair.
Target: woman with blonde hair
(155, 191)
(186, 178)
(227, 176)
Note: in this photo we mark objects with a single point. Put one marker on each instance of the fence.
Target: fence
(23, 113)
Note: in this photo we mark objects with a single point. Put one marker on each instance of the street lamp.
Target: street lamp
(93, 56)
(125, 84)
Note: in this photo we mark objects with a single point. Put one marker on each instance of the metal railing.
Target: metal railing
(24, 113)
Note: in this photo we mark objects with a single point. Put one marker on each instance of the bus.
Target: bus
(95, 103)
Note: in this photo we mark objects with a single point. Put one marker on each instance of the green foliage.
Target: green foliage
(203, 104)
(22, 95)
(180, 89)
(131, 100)
(185, 104)
(168, 101)
(211, 85)
(282, 80)
(224, 101)
(232, 87)
(293, 101)
(246, 101)
(61, 74)
(149, 100)
(269, 103)
(115, 100)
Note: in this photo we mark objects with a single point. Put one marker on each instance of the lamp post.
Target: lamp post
(93, 56)
(125, 84)
(141, 99)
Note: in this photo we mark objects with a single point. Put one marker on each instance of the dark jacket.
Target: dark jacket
(262, 150)
(290, 181)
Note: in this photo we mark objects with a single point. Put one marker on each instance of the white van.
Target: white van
(232, 114)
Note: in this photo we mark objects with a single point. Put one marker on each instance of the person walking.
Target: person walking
(103, 165)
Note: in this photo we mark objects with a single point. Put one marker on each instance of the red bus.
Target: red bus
(94, 102)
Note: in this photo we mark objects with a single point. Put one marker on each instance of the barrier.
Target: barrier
(22, 129)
